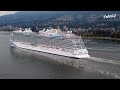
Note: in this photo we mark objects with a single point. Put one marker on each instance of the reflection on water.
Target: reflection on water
(52, 62)
(50, 67)
(33, 56)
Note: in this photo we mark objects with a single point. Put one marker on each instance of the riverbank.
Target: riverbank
(102, 38)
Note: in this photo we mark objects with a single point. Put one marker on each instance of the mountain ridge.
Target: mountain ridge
(61, 18)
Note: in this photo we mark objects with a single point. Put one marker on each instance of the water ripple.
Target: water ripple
(105, 60)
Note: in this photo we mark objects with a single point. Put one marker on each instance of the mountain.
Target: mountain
(83, 19)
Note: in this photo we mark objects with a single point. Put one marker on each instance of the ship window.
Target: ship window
(77, 41)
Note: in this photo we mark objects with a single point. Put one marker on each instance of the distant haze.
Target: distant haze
(7, 12)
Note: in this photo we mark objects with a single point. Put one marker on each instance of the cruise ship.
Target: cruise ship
(53, 41)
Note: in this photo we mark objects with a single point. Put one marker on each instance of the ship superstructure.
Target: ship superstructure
(52, 41)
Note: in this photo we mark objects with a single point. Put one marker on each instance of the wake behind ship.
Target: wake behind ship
(52, 41)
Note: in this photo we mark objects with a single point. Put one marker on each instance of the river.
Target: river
(16, 63)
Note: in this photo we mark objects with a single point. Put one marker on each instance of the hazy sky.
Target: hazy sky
(7, 12)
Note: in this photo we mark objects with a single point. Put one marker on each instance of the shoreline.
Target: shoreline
(101, 38)
(84, 37)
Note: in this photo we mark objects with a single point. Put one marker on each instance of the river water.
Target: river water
(16, 63)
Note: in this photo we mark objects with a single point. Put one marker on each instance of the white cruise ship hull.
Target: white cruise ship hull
(82, 53)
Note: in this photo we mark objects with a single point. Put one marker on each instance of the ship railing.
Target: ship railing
(48, 46)
(25, 43)
(55, 47)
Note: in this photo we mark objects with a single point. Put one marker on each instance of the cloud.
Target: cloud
(7, 12)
